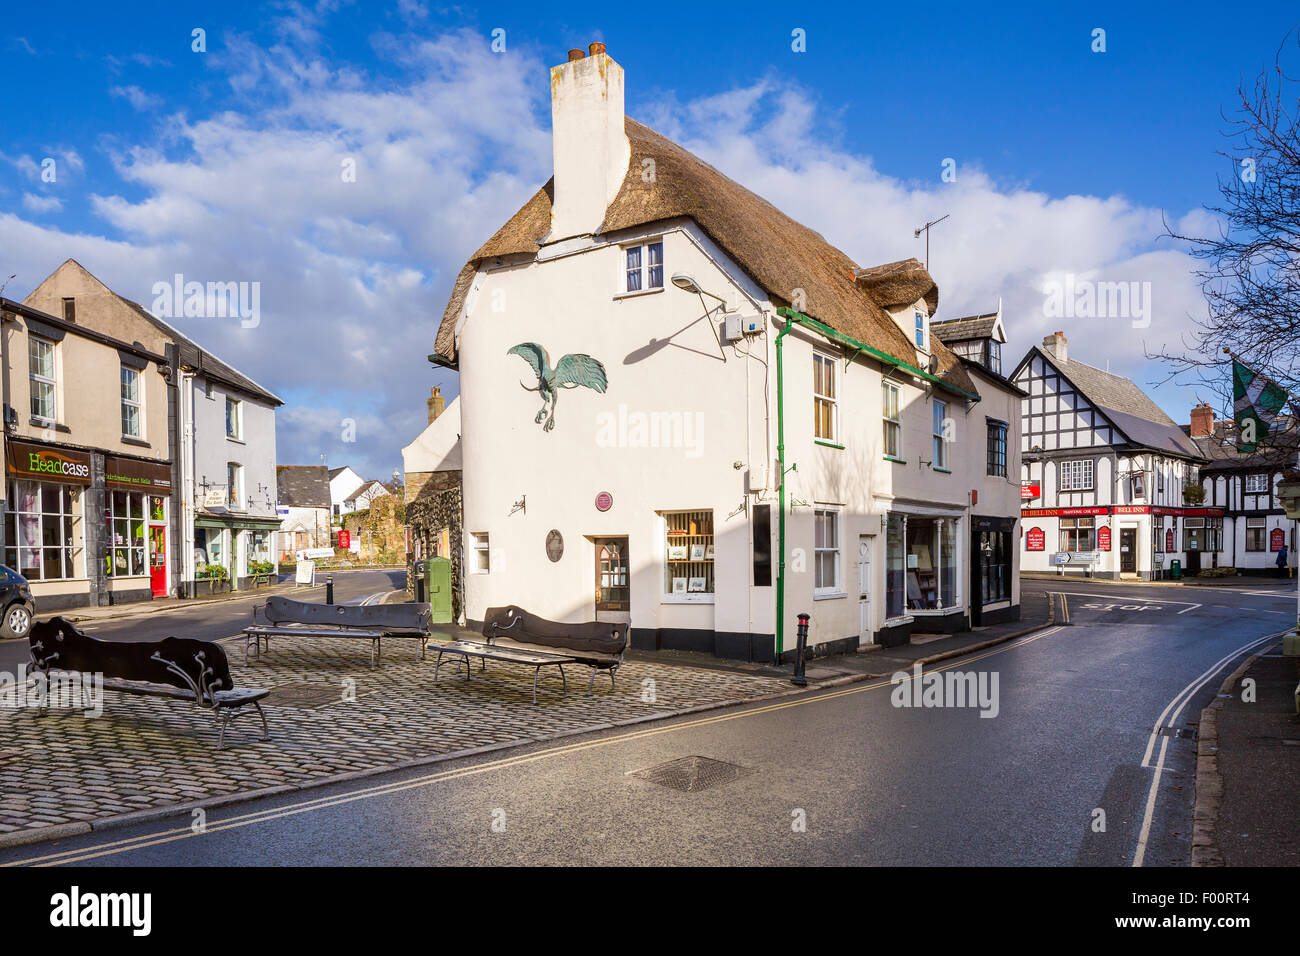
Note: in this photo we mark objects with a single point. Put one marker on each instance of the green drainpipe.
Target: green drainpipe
(794, 318)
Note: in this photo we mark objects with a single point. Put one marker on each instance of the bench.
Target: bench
(178, 668)
(538, 643)
(371, 622)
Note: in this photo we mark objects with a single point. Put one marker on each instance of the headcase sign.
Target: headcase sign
(1035, 540)
(44, 463)
(130, 474)
(1103, 538)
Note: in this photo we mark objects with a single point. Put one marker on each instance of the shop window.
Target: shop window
(1078, 534)
(1194, 534)
(893, 425)
(995, 566)
(43, 530)
(931, 563)
(1256, 534)
(824, 407)
(895, 566)
(1158, 533)
(826, 551)
(124, 519)
(688, 550)
(1213, 534)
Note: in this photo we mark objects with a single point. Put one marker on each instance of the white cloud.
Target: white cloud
(140, 101)
(41, 204)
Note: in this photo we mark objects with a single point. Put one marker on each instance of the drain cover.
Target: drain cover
(692, 774)
(304, 695)
(1178, 732)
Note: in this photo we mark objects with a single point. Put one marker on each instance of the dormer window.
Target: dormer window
(922, 331)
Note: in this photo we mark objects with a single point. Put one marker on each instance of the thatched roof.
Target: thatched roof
(779, 254)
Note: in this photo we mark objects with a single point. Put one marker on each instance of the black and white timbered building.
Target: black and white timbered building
(1103, 472)
(1244, 485)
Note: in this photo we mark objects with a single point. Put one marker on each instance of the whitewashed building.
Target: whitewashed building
(683, 409)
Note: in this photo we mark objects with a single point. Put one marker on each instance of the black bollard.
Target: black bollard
(329, 590)
(800, 650)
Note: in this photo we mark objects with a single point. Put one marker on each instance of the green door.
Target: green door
(437, 573)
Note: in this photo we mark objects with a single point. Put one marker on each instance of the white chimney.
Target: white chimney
(1056, 346)
(590, 145)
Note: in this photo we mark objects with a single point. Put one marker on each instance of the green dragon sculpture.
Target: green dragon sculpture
(569, 372)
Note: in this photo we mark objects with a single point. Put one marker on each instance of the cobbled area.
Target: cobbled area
(328, 714)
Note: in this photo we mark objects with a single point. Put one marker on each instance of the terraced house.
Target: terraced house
(683, 409)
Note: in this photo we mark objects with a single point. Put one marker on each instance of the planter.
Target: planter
(210, 586)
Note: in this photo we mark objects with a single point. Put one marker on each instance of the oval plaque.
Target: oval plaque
(554, 545)
(604, 501)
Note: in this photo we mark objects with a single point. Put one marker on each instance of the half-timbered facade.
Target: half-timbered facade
(1103, 472)
(1244, 486)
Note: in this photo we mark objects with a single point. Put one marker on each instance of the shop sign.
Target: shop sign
(42, 462)
(345, 538)
(1030, 489)
(1169, 539)
(128, 474)
(1103, 538)
(1035, 540)
(1061, 512)
(1276, 540)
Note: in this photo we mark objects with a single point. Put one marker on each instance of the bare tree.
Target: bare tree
(1251, 269)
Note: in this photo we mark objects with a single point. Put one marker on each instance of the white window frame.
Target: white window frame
(1256, 487)
(938, 415)
(137, 403)
(642, 270)
(836, 589)
(921, 330)
(1077, 470)
(234, 486)
(35, 379)
(481, 548)
(829, 362)
(238, 406)
(896, 421)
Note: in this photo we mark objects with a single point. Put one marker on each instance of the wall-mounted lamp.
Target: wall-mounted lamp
(520, 505)
(687, 283)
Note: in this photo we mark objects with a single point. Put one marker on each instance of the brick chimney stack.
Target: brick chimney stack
(435, 403)
(1202, 421)
(1055, 346)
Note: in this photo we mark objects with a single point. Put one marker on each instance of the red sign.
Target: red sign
(1035, 540)
(1103, 538)
(1030, 489)
(1276, 540)
(604, 501)
(345, 539)
(1058, 512)
(1169, 540)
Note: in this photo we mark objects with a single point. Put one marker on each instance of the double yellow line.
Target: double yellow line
(505, 763)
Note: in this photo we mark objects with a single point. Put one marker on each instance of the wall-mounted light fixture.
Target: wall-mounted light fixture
(687, 283)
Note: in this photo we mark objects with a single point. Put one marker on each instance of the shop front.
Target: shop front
(229, 549)
(137, 497)
(923, 579)
(992, 566)
(1120, 541)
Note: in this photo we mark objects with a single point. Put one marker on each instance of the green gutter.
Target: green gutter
(794, 318)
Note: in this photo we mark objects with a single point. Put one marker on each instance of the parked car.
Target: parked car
(16, 599)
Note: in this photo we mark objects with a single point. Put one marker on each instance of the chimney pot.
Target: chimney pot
(1055, 346)
(595, 48)
(576, 55)
(435, 404)
(1202, 421)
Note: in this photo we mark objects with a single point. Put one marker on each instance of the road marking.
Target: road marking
(1111, 597)
(1185, 695)
(320, 803)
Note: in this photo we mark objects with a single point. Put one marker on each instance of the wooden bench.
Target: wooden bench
(537, 643)
(371, 622)
(178, 668)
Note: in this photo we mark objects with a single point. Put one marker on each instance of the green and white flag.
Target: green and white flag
(1256, 402)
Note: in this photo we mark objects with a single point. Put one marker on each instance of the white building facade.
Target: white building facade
(625, 415)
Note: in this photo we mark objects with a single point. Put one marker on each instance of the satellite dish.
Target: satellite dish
(933, 364)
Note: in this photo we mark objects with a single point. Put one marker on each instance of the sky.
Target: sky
(349, 157)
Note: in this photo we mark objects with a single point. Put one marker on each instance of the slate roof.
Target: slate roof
(777, 252)
(960, 330)
(302, 486)
(1220, 447)
(365, 488)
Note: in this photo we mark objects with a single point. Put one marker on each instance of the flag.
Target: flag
(1256, 402)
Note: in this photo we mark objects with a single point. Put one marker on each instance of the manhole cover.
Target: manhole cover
(692, 774)
(304, 695)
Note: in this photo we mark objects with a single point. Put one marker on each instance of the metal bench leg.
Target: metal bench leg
(611, 678)
(224, 714)
(536, 670)
(564, 684)
(593, 679)
(266, 733)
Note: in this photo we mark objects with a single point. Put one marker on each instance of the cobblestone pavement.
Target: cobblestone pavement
(145, 752)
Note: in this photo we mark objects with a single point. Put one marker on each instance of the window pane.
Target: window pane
(656, 277)
(634, 269)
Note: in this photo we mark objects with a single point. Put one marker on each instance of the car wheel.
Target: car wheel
(17, 622)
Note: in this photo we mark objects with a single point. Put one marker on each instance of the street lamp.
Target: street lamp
(687, 283)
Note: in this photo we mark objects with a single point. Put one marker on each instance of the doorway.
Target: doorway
(613, 588)
(1128, 550)
(865, 634)
(158, 546)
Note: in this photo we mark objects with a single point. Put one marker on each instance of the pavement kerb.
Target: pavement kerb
(64, 830)
(1209, 782)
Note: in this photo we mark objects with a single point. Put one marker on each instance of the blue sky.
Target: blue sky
(224, 164)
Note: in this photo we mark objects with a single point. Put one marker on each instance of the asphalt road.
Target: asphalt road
(1069, 771)
(208, 621)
